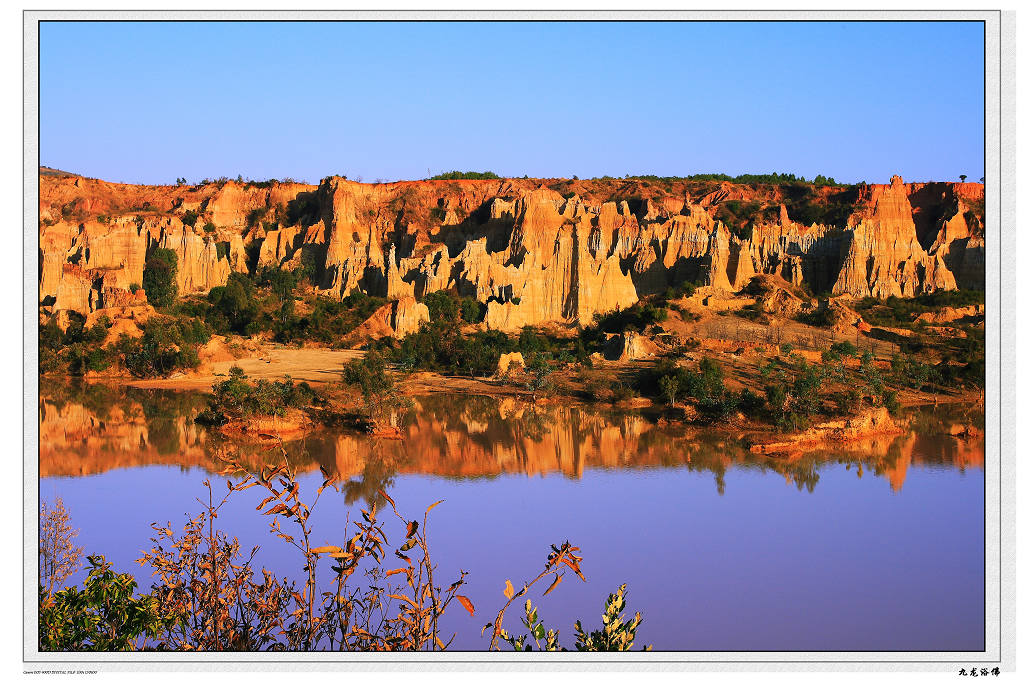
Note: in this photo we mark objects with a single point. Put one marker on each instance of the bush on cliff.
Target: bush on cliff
(898, 312)
(189, 218)
(329, 320)
(159, 277)
(449, 307)
(233, 306)
(740, 216)
(465, 175)
(637, 317)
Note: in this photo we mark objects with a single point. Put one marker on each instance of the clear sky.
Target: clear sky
(150, 102)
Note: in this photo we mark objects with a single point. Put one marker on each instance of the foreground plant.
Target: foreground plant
(106, 615)
(208, 597)
(379, 615)
(207, 593)
(59, 557)
(565, 555)
(616, 635)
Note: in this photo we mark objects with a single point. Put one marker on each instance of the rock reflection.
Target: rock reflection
(87, 429)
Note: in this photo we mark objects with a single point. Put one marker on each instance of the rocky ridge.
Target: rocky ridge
(529, 253)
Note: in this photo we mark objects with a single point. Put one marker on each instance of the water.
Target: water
(875, 547)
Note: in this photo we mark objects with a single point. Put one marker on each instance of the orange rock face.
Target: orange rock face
(531, 254)
(395, 319)
(884, 257)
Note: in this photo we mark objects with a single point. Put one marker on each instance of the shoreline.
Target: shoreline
(323, 367)
(760, 438)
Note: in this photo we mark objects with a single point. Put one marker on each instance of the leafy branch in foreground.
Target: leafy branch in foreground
(560, 556)
(206, 590)
(103, 616)
(350, 616)
(616, 635)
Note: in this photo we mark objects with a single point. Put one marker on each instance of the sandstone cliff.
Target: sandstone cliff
(532, 251)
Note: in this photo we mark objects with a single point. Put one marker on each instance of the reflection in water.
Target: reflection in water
(767, 567)
(88, 429)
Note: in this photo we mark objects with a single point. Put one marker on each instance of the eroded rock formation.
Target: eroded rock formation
(394, 319)
(529, 253)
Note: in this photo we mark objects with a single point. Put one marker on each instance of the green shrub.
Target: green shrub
(78, 349)
(165, 347)
(465, 175)
(792, 404)
(909, 371)
(328, 321)
(740, 216)
(844, 348)
(638, 317)
(705, 386)
(849, 401)
(616, 635)
(237, 396)
(473, 311)
(234, 308)
(900, 312)
(381, 400)
(443, 306)
(159, 277)
(823, 316)
(104, 616)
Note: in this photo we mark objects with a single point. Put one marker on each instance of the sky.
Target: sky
(148, 102)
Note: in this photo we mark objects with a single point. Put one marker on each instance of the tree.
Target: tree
(159, 277)
(235, 303)
(669, 387)
(384, 406)
(963, 178)
(59, 557)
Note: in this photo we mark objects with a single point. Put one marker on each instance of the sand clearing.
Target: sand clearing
(303, 365)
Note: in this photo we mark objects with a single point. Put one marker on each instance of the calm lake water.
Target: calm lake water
(878, 546)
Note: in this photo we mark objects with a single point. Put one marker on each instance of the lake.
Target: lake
(877, 545)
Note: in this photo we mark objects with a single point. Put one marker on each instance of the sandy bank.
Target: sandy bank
(316, 366)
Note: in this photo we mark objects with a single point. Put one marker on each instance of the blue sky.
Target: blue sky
(149, 102)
